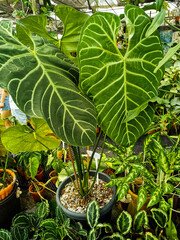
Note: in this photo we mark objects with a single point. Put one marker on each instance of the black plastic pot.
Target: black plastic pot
(82, 216)
(9, 206)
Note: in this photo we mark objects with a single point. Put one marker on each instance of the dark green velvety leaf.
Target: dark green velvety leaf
(42, 209)
(160, 217)
(5, 235)
(119, 83)
(27, 139)
(124, 222)
(73, 21)
(19, 234)
(42, 84)
(92, 214)
(140, 221)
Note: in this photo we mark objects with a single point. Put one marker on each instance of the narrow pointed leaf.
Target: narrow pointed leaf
(157, 21)
(160, 217)
(167, 188)
(122, 190)
(42, 84)
(119, 83)
(142, 197)
(168, 55)
(140, 221)
(124, 222)
(155, 197)
(159, 4)
(163, 161)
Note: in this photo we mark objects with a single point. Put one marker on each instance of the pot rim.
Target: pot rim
(76, 215)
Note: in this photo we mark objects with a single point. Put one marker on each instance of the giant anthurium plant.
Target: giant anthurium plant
(45, 83)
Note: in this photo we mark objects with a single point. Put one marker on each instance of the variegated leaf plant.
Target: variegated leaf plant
(44, 83)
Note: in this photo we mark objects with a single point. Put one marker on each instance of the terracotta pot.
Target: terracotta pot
(39, 175)
(6, 191)
(22, 173)
(51, 175)
(35, 195)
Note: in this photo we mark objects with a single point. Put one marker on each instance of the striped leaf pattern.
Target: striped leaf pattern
(119, 82)
(5, 235)
(43, 82)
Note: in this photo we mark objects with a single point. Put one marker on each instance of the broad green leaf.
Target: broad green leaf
(7, 26)
(124, 222)
(27, 139)
(163, 162)
(157, 21)
(73, 21)
(34, 165)
(140, 221)
(155, 197)
(149, 236)
(24, 36)
(160, 217)
(143, 170)
(49, 235)
(5, 235)
(92, 214)
(42, 84)
(119, 83)
(42, 209)
(121, 168)
(19, 234)
(142, 197)
(168, 55)
(37, 24)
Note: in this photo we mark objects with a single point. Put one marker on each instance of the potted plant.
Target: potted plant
(109, 82)
(9, 199)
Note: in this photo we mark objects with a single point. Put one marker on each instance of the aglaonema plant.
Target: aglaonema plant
(113, 89)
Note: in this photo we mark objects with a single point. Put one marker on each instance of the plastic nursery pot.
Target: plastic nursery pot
(39, 175)
(9, 207)
(35, 195)
(82, 216)
(53, 174)
(6, 191)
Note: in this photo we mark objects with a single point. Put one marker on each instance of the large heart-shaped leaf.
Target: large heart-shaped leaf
(42, 83)
(23, 138)
(119, 82)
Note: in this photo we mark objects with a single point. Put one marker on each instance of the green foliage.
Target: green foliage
(92, 214)
(40, 138)
(5, 234)
(160, 217)
(121, 99)
(124, 222)
(140, 221)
